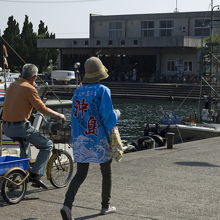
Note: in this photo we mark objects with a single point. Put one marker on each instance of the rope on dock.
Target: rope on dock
(179, 134)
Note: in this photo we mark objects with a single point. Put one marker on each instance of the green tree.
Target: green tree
(25, 45)
(29, 42)
(215, 39)
(44, 55)
(42, 30)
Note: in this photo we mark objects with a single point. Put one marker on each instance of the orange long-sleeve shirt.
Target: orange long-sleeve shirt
(21, 97)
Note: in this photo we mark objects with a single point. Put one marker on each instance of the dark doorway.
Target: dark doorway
(121, 67)
(145, 66)
(124, 67)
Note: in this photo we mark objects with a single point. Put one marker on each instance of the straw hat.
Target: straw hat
(94, 70)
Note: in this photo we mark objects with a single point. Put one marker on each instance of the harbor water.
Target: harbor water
(135, 113)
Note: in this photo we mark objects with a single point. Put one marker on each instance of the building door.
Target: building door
(145, 66)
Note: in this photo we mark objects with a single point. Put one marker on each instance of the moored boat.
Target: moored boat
(186, 132)
(6, 78)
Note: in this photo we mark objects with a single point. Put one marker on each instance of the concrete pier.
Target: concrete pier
(182, 183)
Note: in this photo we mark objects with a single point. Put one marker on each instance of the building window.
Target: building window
(183, 29)
(147, 28)
(171, 67)
(187, 66)
(123, 42)
(115, 30)
(110, 42)
(86, 42)
(75, 42)
(202, 27)
(135, 42)
(166, 28)
(98, 42)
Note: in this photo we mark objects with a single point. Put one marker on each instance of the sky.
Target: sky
(70, 18)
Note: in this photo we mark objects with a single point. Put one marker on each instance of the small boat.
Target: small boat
(185, 132)
(206, 125)
(62, 76)
(6, 78)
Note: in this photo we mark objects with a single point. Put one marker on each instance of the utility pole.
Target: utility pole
(176, 9)
(211, 19)
(211, 33)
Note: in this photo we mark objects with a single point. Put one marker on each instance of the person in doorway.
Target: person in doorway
(92, 120)
(21, 97)
(134, 75)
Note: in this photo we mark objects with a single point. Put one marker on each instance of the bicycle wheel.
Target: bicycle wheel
(60, 168)
(13, 186)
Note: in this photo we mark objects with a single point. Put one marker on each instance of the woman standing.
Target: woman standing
(92, 120)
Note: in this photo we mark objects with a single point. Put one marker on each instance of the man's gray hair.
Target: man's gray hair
(29, 70)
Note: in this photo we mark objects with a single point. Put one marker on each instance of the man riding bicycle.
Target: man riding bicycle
(20, 99)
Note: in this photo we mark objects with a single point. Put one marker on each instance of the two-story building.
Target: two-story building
(142, 47)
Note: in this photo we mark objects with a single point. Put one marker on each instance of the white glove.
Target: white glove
(118, 113)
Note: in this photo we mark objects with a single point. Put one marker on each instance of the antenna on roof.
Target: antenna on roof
(176, 9)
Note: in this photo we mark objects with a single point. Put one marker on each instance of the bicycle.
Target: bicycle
(59, 172)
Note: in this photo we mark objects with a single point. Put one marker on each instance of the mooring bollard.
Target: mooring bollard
(170, 140)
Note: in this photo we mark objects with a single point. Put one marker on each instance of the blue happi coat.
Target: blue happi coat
(92, 120)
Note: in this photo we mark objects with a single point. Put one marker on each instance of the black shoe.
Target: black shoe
(36, 182)
(66, 213)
